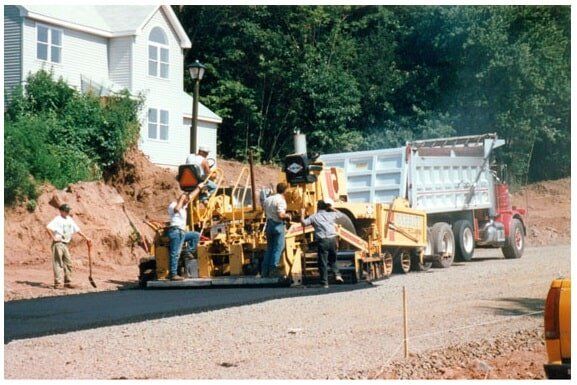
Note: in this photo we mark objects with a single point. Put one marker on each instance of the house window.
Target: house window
(48, 44)
(157, 124)
(158, 53)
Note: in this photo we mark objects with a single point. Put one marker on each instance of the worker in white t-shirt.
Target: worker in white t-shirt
(61, 229)
(177, 234)
(199, 159)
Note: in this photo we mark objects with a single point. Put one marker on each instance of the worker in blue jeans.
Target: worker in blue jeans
(275, 211)
(177, 233)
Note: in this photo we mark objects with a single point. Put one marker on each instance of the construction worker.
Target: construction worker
(61, 229)
(199, 159)
(275, 211)
(177, 233)
(326, 236)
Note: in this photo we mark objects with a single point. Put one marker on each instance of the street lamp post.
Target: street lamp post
(196, 71)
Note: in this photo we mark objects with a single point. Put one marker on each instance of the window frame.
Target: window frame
(49, 44)
(158, 47)
(158, 125)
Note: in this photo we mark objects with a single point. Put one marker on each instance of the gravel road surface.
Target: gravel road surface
(335, 335)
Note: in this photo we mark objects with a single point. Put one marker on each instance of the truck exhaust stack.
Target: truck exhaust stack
(300, 143)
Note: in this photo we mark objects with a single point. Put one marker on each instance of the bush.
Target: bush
(56, 134)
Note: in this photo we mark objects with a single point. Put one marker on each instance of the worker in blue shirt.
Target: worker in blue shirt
(326, 236)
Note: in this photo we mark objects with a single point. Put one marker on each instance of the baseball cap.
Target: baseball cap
(204, 149)
(329, 201)
(64, 207)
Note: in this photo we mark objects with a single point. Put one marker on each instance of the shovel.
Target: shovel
(89, 244)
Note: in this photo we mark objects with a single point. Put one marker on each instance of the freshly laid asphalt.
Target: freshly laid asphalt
(53, 315)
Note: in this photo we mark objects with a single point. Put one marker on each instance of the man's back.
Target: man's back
(197, 160)
(324, 223)
(273, 205)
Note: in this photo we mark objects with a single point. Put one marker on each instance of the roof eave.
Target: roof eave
(173, 19)
(203, 118)
(77, 27)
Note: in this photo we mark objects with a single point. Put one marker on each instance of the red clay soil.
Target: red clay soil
(139, 190)
(549, 211)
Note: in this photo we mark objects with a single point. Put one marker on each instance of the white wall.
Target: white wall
(160, 93)
(12, 50)
(120, 61)
(82, 54)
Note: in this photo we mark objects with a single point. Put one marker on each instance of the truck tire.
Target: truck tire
(416, 264)
(515, 242)
(443, 242)
(464, 240)
(345, 222)
(402, 261)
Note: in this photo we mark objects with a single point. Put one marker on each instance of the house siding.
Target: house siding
(12, 50)
(205, 135)
(120, 61)
(162, 94)
(82, 54)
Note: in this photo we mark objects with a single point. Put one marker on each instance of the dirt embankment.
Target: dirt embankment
(138, 190)
(549, 211)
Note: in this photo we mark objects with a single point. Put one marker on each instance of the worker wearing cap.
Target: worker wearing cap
(177, 234)
(326, 236)
(199, 159)
(61, 229)
(275, 211)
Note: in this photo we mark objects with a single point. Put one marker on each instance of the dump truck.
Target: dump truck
(453, 180)
(374, 238)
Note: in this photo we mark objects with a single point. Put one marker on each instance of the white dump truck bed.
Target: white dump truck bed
(440, 175)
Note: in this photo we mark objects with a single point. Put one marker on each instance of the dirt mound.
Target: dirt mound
(265, 176)
(146, 188)
(96, 208)
(549, 211)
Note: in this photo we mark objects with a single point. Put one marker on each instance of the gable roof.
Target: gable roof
(104, 20)
(204, 113)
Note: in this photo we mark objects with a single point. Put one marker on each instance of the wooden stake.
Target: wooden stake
(406, 323)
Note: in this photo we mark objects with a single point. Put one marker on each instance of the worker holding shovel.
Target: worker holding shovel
(61, 229)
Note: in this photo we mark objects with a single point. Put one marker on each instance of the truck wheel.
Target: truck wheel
(346, 223)
(402, 261)
(443, 242)
(515, 242)
(416, 264)
(464, 240)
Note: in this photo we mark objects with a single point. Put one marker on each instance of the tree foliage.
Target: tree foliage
(55, 134)
(366, 77)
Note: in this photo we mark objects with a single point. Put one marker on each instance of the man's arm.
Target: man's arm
(52, 236)
(307, 221)
(281, 210)
(180, 202)
(84, 236)
(205, 167)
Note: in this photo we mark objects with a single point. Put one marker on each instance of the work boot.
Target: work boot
(69, 285)
(58, 285)
(177, 278)
(339, 279)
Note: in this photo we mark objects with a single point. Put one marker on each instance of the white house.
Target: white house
(109, 48)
